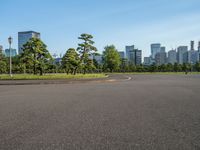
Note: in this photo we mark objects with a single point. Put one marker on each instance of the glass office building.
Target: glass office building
(23, 38)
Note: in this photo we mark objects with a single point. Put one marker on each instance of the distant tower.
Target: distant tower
(1, 48)
(192, 45)
(24, 37)
(199, 46)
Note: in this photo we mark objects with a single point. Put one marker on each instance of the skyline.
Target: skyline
(171, 25)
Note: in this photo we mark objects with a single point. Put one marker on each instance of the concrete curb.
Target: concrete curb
(109, 78)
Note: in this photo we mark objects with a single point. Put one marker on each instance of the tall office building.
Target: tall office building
(182, 54)
(192, 45)
(155, 48)
(161, 58)
(24, 37)
(172, 57)
(136, 57)
(1, 49)
(193, 56)
(147, 61)
(122, 54)
(199, 49)
(162, 49)
(128, 50)
(199, 46)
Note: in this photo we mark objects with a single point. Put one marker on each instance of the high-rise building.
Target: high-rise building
(193, 56)
(172, 57)
(155, 48)
(13, 52)
(162, 49)
(135, 57)
(161, 58)
(182, 54)
(192, 45)
(1, 49)
(199, 49)
(128, 50)
(147, 61)
(122, 54)
(24, 37)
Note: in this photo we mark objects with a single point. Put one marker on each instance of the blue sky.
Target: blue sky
(118, 22)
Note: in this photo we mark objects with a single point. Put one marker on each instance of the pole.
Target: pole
(10, 42)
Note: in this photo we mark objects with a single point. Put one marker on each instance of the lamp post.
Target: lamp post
(10, 39)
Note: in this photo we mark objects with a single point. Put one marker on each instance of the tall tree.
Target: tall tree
(197, 66)
(3, 63)
(36, 55)
(70, 60)
(85, 50)
(111, 58)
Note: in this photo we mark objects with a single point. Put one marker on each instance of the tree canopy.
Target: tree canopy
(35, 55)
(111, 58)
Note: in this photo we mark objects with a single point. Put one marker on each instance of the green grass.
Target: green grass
(50, 76)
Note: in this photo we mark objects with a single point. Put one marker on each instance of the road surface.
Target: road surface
(154, 112)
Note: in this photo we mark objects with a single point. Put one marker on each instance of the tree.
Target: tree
(3, 67)
(153, 68)
(169, 67)
(111, 58)
(177, 67)
(35, 55)
(70, 60)
(3, 63)
(85, 50)
(197, 66)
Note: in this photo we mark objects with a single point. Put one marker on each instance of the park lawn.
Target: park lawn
(50, 76)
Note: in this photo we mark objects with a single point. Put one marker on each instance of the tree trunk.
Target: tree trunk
(34, 67)
(75, 70)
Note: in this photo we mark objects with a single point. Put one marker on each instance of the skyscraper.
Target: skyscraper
(138, 54)
(1, 48)
(23, 38)
(133, 55)
(192, 45)
(161, 58)
(199, 49)
(147, 61)
(162, 49)
(128, 50)
(193, 55)
(172, 57)
(155, 48)
(182, 54)
(122, 54)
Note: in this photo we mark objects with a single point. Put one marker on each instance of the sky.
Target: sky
(120, 22)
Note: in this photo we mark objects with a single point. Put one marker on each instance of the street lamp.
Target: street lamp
(10, 40)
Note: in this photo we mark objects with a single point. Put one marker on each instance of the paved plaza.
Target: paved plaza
(154, 112)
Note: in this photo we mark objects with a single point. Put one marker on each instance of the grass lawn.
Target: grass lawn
(50, 76)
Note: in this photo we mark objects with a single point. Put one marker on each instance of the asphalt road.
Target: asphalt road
(149, 112)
